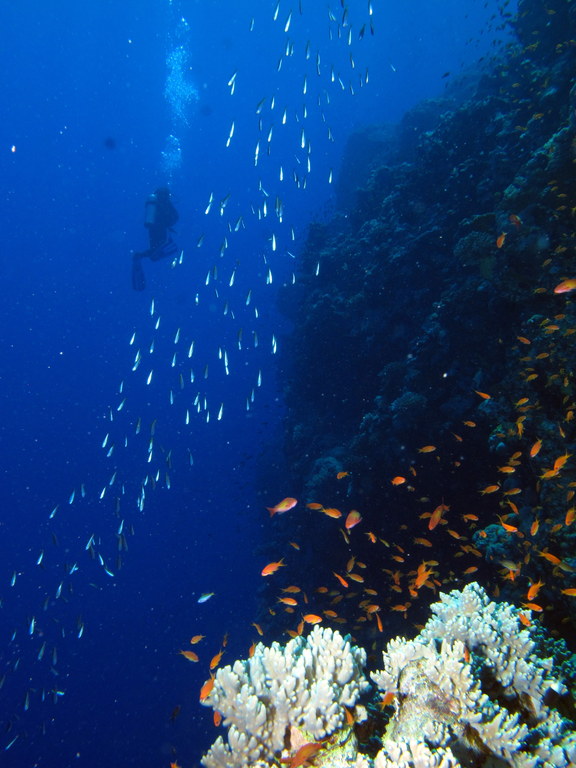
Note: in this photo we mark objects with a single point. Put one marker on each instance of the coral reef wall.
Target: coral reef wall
(427, 309)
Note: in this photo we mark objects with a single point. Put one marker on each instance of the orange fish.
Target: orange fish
(548, 474)
(379, 623)
(490, 489)
(516, 220)
(258, 628)
(571, 592)
(524, 619)
(340, 579)
(500, 240)
(507, 527)
(565, 286)
(312, 618)
(332, 512)
(216, 660)
(533, 607)
(190, 655)
(387, 699)
(422, 575)
(398, 480)
(535, 450)
(272, 567)
(550, 557)
(340, 475)
(356, 577)
(371, 536)
(436, 517)
(288, 600)
(217, 718)
(206, 689)
(570, 515)
(196, 639)
(534, 589)
(427, 449)
(314, 505)
(523, 340)
(282, 506)
(422, 541)
(352, 519)
(292, 590)
(483, 395)
(471, 569)
(305, 754)
(561, 460)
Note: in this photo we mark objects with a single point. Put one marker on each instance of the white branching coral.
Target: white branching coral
(469, 690)
(304, 685)
(472, 682)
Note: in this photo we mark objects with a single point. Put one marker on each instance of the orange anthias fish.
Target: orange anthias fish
(282, 506)
(196, 639)
(422, 575)
(272, 567)
(534, 589)
(332, 512)
(437, 516)
(312, 618)
(190, 655)
(353, 518)
(216, 660)
(500, 240)
(341, 579)
(206, 689)
(341, 475)
(560, 461)
(398, 480)
(305, 754)
(288, 601)
(566, 286)
(535, 450)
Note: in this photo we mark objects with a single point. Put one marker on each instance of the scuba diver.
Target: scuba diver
(159, 219)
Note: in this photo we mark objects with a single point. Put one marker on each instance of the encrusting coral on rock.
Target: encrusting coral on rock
(470, 690)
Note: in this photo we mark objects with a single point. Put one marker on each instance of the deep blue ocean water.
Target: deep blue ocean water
(103, 102)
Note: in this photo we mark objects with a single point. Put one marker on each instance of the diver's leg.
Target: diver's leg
(138, 278)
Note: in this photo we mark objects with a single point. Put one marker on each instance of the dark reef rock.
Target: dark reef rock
(454, 228)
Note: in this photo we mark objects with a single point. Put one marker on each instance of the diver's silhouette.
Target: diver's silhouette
(159, 219)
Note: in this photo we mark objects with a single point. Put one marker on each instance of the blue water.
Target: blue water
(91, 94)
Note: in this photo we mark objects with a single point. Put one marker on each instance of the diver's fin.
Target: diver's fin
(138, 279)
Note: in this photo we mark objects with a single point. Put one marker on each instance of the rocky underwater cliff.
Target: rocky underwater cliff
(430, 375)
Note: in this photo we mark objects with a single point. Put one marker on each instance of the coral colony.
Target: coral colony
(471, 690)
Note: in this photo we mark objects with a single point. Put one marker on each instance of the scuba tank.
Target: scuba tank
(150, 210)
